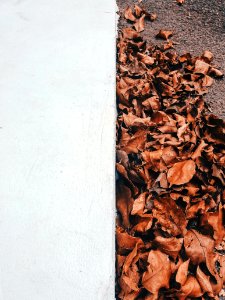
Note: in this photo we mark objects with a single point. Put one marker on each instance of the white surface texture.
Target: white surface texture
(57, 115)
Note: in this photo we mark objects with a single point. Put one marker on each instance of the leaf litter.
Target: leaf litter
(170, 163)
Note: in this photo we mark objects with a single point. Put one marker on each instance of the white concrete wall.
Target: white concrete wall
(57, 116)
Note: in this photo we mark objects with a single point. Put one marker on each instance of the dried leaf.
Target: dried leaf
(129, 33)
(198, 246)
(139, 205)
(182, 272)
(170, 216)
(134, 143)
(170, 246)
(204, 282)
(140, 24)
(181, 172)
(138, 10)
(201, 67)
(207, 56)
(191, 288)
(128, 14)
(180, 1)
(124, 203)
(125, 241)
(215, 72)
(158, 272)
(171, 160)
(164, 34)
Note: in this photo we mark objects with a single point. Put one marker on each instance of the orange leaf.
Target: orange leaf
(181, 172)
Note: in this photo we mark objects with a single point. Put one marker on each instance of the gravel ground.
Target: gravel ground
(198, 26)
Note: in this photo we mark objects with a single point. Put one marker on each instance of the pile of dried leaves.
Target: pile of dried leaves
(170, 166)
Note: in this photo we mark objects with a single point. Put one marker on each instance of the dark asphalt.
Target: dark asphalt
(198, 25)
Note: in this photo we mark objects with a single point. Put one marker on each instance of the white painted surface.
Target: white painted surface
(57, 116)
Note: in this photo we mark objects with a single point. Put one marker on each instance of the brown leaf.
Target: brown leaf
(148, 60)
(154, 160)
(207, 56)
(123, 172)
(158, 272)
(124, 203)
(170, 216)
(128, 14)
(132, 120)
(198, 247)
(140, 24)
(195, 209)
(144, 223)
(170, 246)
(152, 103)
(129, 282)
(181, 172)
(159, 159)
(215, 72)
(164, 34)
(125, 241)
(204, 282)
(129, 259)
(201, 67)
(129, 33)
(139, 205)
(134, 143)
(180, 1)
(198, 150)
(215, 220)
(182, 272)
(138, 11)
(191, 288)
(152, 17)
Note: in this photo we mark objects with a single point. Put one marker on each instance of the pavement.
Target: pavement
(57, 123)
(198, 26)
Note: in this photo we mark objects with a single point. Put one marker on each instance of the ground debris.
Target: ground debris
(170, 164)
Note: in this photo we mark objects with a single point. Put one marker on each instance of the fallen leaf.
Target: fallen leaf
(158, 272)
(170, 216)
(181, 172)
(125, 241)
(139, 205)
(140, 24)
(204, 282)
(180, 1)
(198, 247)
(138, 11)
(128, 14)
(129, 33)
(124, 203)
(182, 272)
(170, 246)
(134, 143)
(207, 55)
(164, 34)
(170, 169)
(201, 67)
(215, 72)
(191, 288)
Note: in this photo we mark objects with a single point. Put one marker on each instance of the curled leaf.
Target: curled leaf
(204, 282)
(164, 34)
(128, 14)
(170, 246)
(158, 272)
(140, 24)
(124, 202)
(182, 272)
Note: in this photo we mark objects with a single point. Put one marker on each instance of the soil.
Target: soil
(198, 26)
